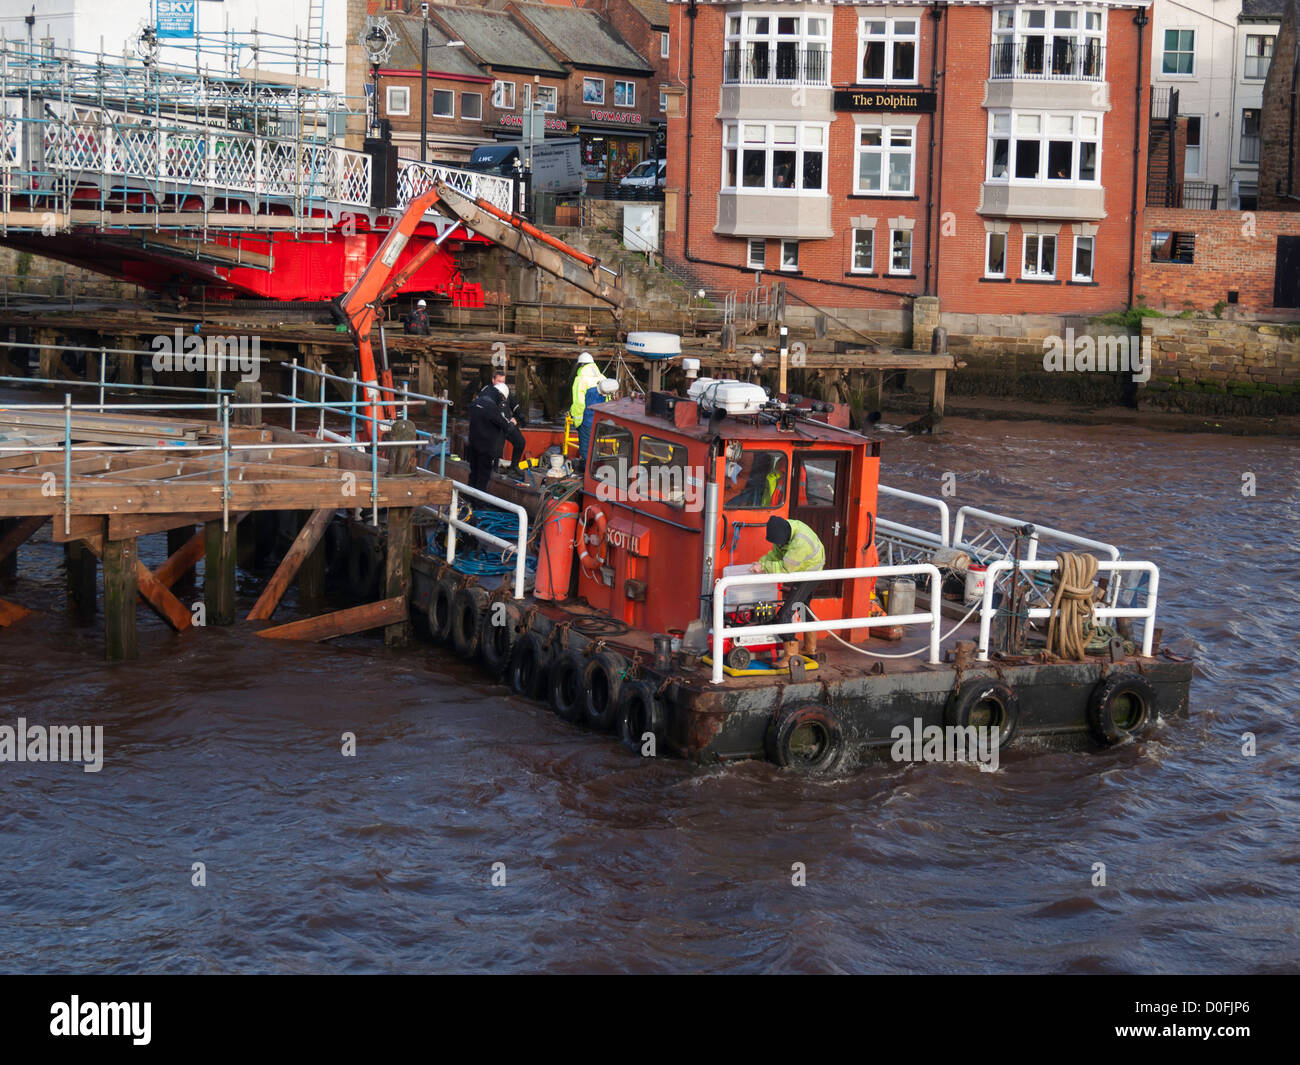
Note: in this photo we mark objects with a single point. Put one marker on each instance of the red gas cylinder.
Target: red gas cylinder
(555, 559)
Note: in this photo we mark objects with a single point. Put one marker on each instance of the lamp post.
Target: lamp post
(424, 78)
(377, 42)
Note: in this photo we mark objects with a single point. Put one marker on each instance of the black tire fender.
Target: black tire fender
(1122, 706)
(338, 544)
(468, 609)
(807, 738)
(529, 668)
(498, 640)
(564, 689)
(981, 702)
(640, 711)
(365, 564)
(602, 681)
(441, 601)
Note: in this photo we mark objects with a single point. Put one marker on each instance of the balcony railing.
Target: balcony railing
(1062, 60)
(1250, 148)
(1194, 195)
(761, 64)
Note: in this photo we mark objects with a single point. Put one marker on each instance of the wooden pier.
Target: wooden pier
(132, 475)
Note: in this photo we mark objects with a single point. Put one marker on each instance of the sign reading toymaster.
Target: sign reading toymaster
(919, 101)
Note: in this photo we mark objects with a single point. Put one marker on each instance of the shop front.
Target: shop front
(613, 142)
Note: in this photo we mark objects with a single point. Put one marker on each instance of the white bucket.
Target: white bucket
(975, 578)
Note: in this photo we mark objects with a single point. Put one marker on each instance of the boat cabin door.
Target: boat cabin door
(820, 499)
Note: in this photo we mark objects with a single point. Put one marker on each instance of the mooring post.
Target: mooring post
(219, 572)
(120, 591)
(176, 539)
(311, 574)
(79, 571)
(248, 403)
(397, 564)
(939, 380)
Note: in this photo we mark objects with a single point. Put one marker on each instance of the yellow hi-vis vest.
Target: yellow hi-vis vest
(588, 376)
(801, 553)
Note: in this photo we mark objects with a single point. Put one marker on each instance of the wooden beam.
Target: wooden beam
(120, 590)
(182, 560)
(397, 557)
(304, 543)
(160, 597)
(79, 564)
(341, 622)
(18, 534)
(219, 573)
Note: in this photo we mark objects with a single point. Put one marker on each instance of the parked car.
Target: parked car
(648, 175)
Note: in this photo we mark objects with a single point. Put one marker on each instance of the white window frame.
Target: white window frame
(810, 137)
(549, 97)
(854, 268)
(911, 253)
(665, 45)
(405, 91)
(790, 269)
(1012, 28)
(1246, 67)
(887, 150)
(434, 112)
(663, 101)
(761, 262)
(890, 37)
(1074, 259)
(629, 93)
(1036, 274)
(743, 35)
(988, 254)
(498, 87)
(465, 114)
(1164, 51)
(1044, 137)
(1199, 148)
(593, 81)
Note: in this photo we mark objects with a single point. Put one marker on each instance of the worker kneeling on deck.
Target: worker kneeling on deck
(796, 549)
(600, 393)
(490, 426)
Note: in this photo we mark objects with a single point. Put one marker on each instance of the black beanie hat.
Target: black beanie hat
(778, 530)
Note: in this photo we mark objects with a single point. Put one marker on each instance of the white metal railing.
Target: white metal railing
(414, 177)
(943, 538)
(520, 547)
(931, 617)
(1147, 612)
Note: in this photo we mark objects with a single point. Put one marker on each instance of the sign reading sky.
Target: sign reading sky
(176, 18)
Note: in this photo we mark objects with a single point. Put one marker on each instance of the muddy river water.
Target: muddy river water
(223, 750)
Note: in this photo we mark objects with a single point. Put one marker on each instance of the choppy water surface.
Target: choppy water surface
(226, 750)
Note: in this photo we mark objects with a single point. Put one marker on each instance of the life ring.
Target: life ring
(1122, 706)
(640, 713)
(365, 563)
(529, 665)
(809, 739)
(589, 540)
(440, 606)
(565, 691)
(601, 682)
(500, 632)
(985, 703)
(468, 608)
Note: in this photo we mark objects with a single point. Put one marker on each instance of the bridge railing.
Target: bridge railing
(414, 178)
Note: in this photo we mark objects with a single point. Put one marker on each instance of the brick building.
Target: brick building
(1279, 174)
(985, 153)
(644, 24)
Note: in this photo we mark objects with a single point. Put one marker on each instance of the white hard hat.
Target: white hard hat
(421, 303)
(608, 386)
(585, 358)
(503, 388)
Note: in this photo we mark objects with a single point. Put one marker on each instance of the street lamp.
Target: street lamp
(424, 79)
(377, 42)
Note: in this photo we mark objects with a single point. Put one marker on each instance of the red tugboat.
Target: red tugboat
(645, 620)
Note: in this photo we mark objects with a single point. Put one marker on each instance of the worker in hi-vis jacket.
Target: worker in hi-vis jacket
(795, 549)
(588, 376)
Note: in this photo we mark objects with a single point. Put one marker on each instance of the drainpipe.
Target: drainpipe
(936, 13)
(1140, 21)
(1290, 147)
(692, 12)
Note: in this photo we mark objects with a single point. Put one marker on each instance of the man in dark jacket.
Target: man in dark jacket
(490, 426)
(418, 321)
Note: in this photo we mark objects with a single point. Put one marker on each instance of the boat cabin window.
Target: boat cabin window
(611, 454)
(757, 480)
(816, 487)
(663, 471)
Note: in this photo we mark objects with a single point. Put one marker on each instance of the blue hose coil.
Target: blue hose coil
(481, 562)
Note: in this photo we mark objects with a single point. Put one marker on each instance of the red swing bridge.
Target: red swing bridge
(229, 186)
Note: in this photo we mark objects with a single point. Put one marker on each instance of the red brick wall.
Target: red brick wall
(410, 123)
(1234, 250)
(956, 235)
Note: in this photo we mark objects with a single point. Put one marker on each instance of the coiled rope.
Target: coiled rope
(1072, 583)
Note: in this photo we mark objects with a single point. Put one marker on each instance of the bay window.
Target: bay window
(1044, 147)
(773, 156)
(886, 160)
(1048, 42)
(777, 48)
(887, 49)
